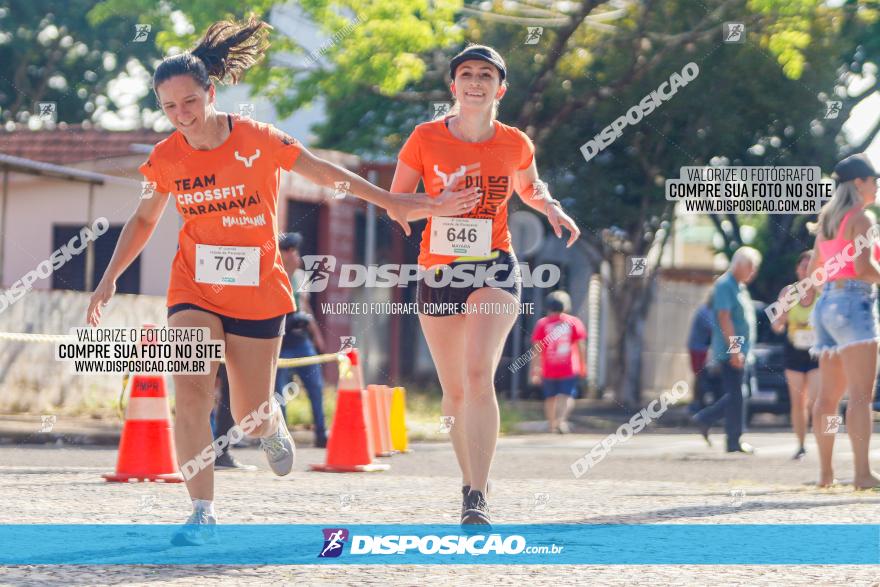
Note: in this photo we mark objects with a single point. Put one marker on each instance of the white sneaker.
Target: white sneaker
(279, 448)
(199, 529)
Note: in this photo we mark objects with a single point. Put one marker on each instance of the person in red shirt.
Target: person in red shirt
(561, 341)
(466, 324)
(223, 174)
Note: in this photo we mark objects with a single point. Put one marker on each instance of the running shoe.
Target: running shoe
(744, 447)
(477, 511)
(465, 489)
(800, 454)
(200, 528)
(279, 448)
(564, 428)
(227, 462)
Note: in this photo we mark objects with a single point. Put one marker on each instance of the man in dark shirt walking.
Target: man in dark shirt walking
(302, 338)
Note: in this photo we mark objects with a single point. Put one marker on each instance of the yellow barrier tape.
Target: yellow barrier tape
(30, 337)
(316, 360)
(344, 366)
(344, 369)
(298, 362)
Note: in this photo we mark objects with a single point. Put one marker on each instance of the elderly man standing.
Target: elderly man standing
(732, 339)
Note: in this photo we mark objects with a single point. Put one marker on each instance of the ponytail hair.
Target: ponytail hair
(224, 53)
(846, 197)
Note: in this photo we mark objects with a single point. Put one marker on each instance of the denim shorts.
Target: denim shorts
(845, 314)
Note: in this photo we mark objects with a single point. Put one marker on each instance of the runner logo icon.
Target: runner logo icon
(318, 270)
(334, 540)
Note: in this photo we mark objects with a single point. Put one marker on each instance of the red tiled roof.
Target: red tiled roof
(64, 146)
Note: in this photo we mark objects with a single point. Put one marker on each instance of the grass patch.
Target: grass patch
(422, 412)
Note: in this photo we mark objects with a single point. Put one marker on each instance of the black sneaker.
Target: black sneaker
(477, 510)
(465, 489)
(226, 462)
(800, 454)
(703, 428)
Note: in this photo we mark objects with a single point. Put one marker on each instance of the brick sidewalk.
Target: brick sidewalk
(422, 488)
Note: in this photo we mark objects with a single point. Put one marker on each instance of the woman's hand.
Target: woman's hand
(456, 203)
(405, 207)
(99, 299)
(399, 208)
(558, 219)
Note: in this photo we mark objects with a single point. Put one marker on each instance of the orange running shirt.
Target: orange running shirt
(491, 165)
(228, 196)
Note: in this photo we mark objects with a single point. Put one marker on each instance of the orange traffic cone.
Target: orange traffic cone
(376, 403)
(387, 395)
(349, 445)
(146, 448)
(355, 380)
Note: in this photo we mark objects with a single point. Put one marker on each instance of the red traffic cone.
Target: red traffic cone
(146, 448)
(349, 445)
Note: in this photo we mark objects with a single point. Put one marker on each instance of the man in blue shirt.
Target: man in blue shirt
(732, 339)
(302, 338)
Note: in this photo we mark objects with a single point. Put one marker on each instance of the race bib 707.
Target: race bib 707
(227, 265)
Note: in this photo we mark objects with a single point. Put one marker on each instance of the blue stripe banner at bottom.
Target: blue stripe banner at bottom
(570, 544)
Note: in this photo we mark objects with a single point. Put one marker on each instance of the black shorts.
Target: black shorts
(268, 328)
(449, 300)
(798, 359)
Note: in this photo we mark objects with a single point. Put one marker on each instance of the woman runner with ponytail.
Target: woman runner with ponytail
(466, 327)
(845, 318)
(223, 173)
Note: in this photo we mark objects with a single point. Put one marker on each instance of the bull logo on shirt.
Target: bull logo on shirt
(449, 179)
(248, 161)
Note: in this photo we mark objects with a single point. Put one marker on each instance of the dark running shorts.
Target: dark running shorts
(448, 300)
(798, 359)
(268, 328)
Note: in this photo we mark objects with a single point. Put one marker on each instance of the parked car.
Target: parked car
(768, 390)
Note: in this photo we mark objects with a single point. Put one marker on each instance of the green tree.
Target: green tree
(50, 52)
(761, 102)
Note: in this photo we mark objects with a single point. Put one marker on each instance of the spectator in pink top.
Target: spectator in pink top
(560, 339)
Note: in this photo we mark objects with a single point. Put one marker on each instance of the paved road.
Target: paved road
(653, 478)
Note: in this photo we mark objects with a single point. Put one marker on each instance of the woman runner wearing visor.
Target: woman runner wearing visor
(466, 327)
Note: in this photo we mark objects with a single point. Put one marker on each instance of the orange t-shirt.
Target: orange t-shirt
(228, 196)
(490, 165)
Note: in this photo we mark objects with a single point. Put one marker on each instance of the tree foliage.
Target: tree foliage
(760, 102)
(51, 52)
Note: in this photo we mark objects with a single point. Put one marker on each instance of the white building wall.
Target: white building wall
(35, 204)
